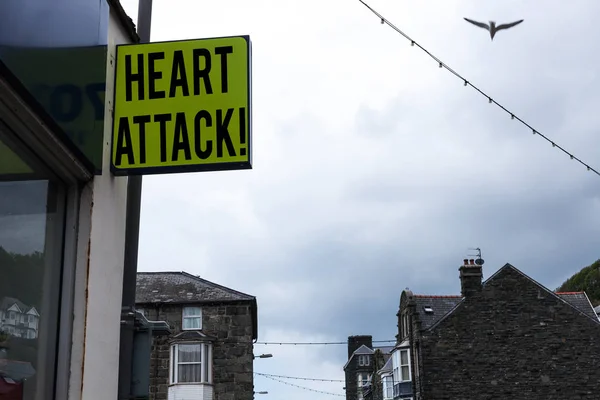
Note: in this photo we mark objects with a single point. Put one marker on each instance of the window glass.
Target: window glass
(192, 318)
(31, 240)
(404, 365)
(189, 365)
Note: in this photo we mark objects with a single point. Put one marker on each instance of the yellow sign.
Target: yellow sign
(182, 106)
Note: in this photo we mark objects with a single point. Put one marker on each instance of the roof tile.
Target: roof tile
(580, 301)
(439, 306)
(181, 287)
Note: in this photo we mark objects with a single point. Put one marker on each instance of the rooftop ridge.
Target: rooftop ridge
(422, 296)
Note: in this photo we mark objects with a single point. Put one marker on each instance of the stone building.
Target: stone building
(363, 362)
(209, 354)
(506, 338)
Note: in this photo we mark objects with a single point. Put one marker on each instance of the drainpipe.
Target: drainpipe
(132, 230)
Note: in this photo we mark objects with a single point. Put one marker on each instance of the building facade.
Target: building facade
(209, 355)
(507, 337)
(18, 319)
(364, 360)
(62, 212)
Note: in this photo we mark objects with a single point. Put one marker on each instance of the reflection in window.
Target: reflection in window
(30, 248)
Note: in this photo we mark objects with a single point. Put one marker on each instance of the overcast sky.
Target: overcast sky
(375, 170)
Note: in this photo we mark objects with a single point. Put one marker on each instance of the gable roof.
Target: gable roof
(441, 306)
(8, 302)
(181, 287)
(573, 299)
(365, 350)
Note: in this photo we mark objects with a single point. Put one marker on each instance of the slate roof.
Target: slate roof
(597, 309)
(580, 301)
(181, 287)
(191, 336)
(387, 367)
(386, 350)
(440, 305)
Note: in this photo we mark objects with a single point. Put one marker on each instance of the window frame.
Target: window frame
(206, 363)
(397, 365)
(404, 325)
(191, 317)
(407, 365)
(26, 127)
(387, 383)
(364, 360)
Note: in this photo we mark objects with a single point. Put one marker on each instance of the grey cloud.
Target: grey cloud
(354, 197)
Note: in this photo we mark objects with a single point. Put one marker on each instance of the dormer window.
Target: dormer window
(192, 318)
(364, 360)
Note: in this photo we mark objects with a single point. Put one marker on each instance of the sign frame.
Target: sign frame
(201, 167)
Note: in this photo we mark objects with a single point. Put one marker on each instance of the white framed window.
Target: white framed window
(388, 387)
(191, 318)
(364, 360)
(401, 366)
(404, 366)
(191, 363)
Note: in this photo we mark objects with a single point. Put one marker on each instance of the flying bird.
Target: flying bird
(492, 27)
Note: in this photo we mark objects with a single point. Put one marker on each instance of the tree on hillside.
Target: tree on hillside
(21, 276)
(587, 280)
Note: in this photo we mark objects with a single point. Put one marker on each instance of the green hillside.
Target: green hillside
(588, 280)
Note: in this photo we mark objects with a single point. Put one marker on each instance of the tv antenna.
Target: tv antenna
(479, 261)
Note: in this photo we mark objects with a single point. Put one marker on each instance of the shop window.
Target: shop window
(32, 207)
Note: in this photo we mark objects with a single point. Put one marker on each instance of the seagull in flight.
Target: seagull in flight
(492, 27)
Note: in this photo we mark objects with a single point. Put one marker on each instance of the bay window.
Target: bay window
(191, 363)
(401, 366)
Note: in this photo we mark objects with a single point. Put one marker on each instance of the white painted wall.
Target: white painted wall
(190, 391)
(99, 279)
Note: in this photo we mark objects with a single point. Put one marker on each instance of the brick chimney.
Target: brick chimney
(354, 342)
(471, 276)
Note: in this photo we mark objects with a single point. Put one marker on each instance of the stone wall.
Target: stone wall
(354, 342)
(513, 340)
(232, 352)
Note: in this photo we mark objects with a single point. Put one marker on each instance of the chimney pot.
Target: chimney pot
(466, 262)
(472, 261)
